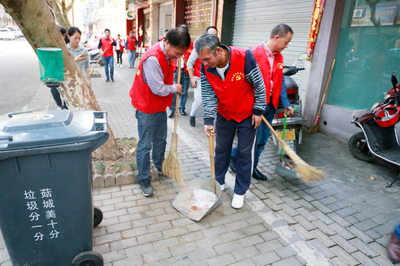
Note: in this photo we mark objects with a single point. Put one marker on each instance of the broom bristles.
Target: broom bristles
(313, 129)
(170, 165)
(306, 172)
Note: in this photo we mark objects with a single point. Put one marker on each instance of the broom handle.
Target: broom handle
(326, 87)
(178, 81)
(212, 162)
(272, 129)
(90, 74)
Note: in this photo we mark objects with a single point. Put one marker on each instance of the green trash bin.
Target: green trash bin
(46, 206)
(51, 65)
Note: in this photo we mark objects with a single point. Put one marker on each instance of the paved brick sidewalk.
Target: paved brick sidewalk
(343, 220)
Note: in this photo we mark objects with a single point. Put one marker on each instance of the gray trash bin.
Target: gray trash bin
(46, 207)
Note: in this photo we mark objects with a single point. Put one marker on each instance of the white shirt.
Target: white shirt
(221, 71)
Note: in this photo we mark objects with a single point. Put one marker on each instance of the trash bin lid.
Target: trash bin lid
(48, 128)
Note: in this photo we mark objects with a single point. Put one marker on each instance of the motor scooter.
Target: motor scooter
(293, 132)
(378, 140)
(94, 54)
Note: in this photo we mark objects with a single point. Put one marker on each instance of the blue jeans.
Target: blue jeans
(185, 87)
(109, 60)
(225, 132)
(152, 137)
(131, 57)
(262, 135)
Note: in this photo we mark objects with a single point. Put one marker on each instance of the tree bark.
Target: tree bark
(65, 9)
(59, 14)
(34, 18)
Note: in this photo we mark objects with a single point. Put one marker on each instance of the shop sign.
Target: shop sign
(130, 14)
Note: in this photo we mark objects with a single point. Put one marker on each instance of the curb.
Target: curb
(120, 179)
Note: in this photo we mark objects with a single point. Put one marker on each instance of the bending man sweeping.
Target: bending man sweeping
(151, 94)
(233, 92)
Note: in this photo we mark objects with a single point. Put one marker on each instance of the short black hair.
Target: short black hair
(282, 30)
(63, 31)
(178, 37)
(183, 25)
(211, 27)
(107, 30)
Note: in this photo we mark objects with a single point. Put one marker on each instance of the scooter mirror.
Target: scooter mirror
(394, 80)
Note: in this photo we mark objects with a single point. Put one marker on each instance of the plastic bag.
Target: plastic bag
(202, 199)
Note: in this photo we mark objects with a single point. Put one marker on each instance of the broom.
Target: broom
(91, 72)
(306, 172)
(170, 165)
(314, 128)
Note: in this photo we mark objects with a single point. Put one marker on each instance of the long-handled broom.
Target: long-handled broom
(91, 72)
(306, 172)
(314, 128)
(170, 166)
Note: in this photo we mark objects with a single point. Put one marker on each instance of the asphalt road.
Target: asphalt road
(20, 86)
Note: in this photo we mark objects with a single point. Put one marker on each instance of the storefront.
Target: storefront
(254, 20)
(365, 41)
(198, 16)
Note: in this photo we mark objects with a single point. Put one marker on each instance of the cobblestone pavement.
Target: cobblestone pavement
(342, 220)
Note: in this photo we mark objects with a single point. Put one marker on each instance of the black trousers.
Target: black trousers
(119, 57)
(225, 132)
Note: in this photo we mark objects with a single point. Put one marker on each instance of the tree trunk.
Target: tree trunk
(58, 14)
(34, 18)
(65, 9)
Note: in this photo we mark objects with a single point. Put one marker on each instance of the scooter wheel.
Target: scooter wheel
(359, 148)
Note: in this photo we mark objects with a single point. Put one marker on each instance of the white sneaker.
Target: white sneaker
(117, 65)
(120, 65)
(222, 187)
(237, 201)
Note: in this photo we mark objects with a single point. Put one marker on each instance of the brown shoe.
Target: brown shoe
(393, 248)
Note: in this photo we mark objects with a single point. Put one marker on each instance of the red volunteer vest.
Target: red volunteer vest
(197, 68)
(277, 73)
(186, 57)
(107, 44)
(143, 98)
(131, 43)
(121, 48)
(235, 94)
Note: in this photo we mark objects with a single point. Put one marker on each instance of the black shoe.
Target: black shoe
(171, 114)
(258, 175)
(193, 121)
(112, 79)
(182, 112)
(147, 188)
(107, 80)
(232, 165)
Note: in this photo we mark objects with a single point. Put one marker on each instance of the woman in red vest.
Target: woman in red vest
(233, 92)
(151, 94)
(270, 60)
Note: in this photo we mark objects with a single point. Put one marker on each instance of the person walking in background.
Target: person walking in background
(130, 46)
(151, 94)
(119, 48)
(270, 60)
(233, 92)
(79, 52)
(184, 79)
(106, 45)
(193, 68)
(54, 91)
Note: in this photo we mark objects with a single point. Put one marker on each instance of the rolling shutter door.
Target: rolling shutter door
(254, 20)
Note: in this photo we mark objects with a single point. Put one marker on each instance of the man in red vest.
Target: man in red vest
(130, 46)
(270, 60)
(233, 92)
(106, 45)
(151, 94)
